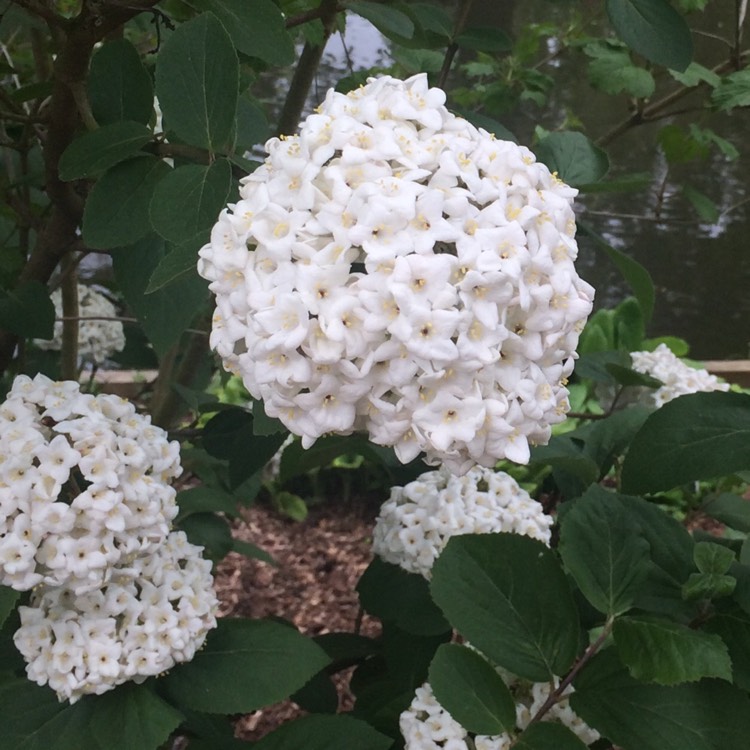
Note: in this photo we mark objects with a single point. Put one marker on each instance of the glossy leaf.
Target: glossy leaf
(658, 650)
(602, 548)
(708, 715)
(116, 212)
(509, 597)
(27, 311)
(100, 149)
(654, 29)
(387, 19)
(699, 436)
(471, 691)
(257, 28)
(119, 85)
(197, 79)
(267, 662)
(574, 157)
(325, 733)
(209, 531)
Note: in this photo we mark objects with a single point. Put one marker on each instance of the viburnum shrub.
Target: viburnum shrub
(394, 269)
(395, 285)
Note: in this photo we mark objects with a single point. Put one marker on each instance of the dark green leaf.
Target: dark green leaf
(206, 500)
(708, 715)
(491, 125)
(325, 733)
(634, 273)
(565, 453)
(706, 209)
(100, 149)
(390, 21)
(119, 85)
(611, 70)
(252, 124)
(628, 376)
(679, 145)
(252, 551)
(116, 212)
(471, 691)
(601, 546)
(256, 28)
(209, 531)
(177, 263)
(708, 586)
(28, 311)
(712, 558)
(654, 29)
(163, 321)
(8, 599)
(197, 77)
(733, 91)
(732, 625)
(544, 735)
(262, 423)
(132, 717)
(318, 696)
(267, 662)
(731, 510)
(484, 39)
(656, 650)
(344, 648)
(698, 436)
(187, 202)
(508, 595)
(393, 595)
(574, 157)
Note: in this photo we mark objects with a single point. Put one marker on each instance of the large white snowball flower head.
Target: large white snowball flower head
(396, 270)
(148, 618)
(679, 378)
(98, 339)
(416, 522)
(426, 725)
(84, 485)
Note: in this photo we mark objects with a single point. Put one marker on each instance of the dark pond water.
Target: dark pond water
(701, 270)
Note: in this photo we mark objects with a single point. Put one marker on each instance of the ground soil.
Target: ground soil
(319, 561)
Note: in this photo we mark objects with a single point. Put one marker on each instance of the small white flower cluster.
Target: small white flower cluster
(97, 339)
(416, 522)
(426, 725)
(148, 617)
(84, 485)
(396, 270)
(679, 378)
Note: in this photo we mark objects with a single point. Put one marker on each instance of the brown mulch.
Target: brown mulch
(319, 561)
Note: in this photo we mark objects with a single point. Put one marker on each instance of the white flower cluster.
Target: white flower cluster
(97, 339)
(396, 270)
(679, 378)
(426, 725)
(148, 617)
(84, 485)
(416, 522)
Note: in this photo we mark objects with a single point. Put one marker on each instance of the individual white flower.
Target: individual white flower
(151, 615)
(416, 522)
(392, 251)
(679, 379)
(84, 485)
(98, 340)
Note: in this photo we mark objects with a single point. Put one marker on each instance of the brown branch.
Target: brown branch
(310, 15)
(70, 329)
(450, 53)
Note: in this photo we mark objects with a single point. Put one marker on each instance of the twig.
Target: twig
(69, 348)
(450, 52)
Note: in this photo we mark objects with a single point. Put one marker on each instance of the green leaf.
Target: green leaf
(601, 547)
(325, 733)
(267, 662)
(262, 423)
(544, 735)
(252, 124)
(700, 586)
(8, 599)
(637, 277)
(708, 715)
(390, 593)
(731, 510)
(706, 209)
(119, 85)
(698, 436)
(206, 500)
(257, 28)
(162, 320)
(508, 595)
(484, 39)
(176, 264)
(656, 650)
(187, 202)
(574, 157)
(563, 452)
(732, 625)
(712, 558)
(209, 531)
(116, 212)
(132, 717)
(654, 29)
(471, 691)
(100, 149)
(386, 19)
(27, 311)
(733, 91)
(197, 77)
(252, 551)
(680, 146)
(696, 74)
(612, 71)
(629, 377)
